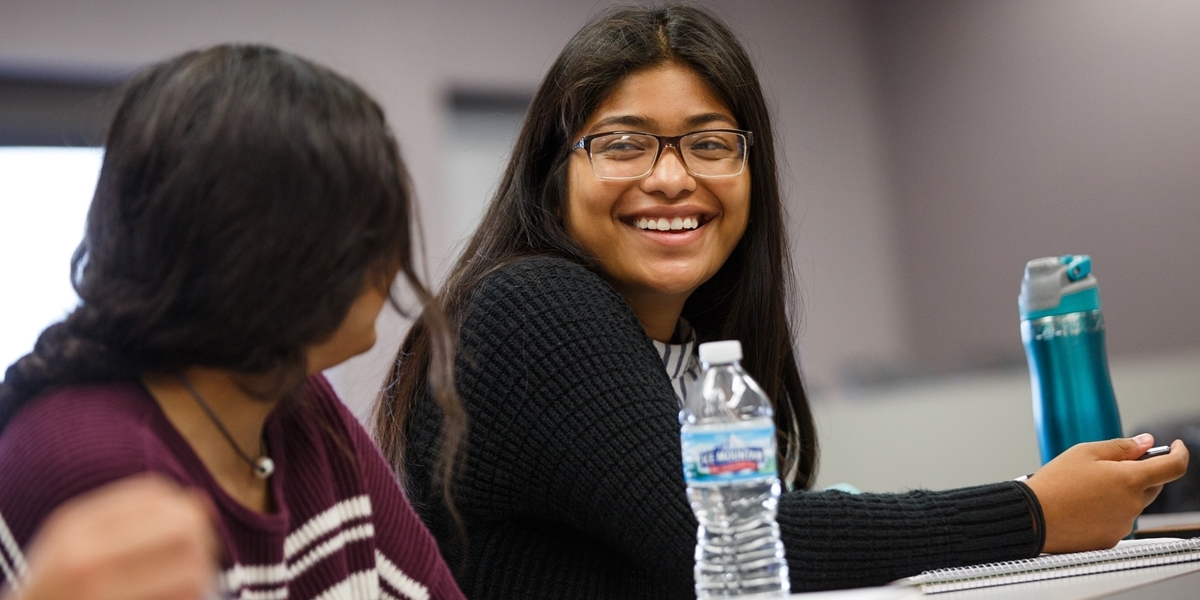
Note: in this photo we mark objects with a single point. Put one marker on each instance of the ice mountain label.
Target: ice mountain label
(714, 454)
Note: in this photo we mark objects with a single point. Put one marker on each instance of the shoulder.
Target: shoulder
(341, 421)
(327, 423)
(547, 291)
(83, 427)
(331, 424)
(74, 439)
(547, 278)
(319, 393)
(552, 327)
(407, 557)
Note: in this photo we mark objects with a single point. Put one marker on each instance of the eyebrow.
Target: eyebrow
(629, 121)
(708, 118)
(643, 123)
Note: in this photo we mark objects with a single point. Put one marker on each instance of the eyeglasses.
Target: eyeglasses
(710, 153)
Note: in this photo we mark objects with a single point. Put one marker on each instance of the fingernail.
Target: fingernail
(1143, 439)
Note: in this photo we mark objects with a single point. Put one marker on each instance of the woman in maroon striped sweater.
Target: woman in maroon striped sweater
(250, 217)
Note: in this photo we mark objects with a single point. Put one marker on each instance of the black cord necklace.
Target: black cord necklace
(263, 466)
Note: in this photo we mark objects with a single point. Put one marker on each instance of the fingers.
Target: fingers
(1179, 449)
(1120, 448)
(1162, 469)
(203, 505)
(175, 556)
(1146, 473)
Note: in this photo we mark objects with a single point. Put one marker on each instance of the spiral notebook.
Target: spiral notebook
(1126, 555)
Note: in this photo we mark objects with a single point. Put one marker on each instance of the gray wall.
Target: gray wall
(931, 147)
(977, 428)
(1020, 129)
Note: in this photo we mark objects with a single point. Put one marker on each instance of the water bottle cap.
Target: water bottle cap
(727, 351)
(1057, 285)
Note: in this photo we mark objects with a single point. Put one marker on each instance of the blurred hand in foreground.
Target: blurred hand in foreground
(139, 538)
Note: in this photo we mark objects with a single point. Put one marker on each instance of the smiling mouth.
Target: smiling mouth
(664, 224)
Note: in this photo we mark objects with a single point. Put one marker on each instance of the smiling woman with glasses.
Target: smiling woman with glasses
(639, 215)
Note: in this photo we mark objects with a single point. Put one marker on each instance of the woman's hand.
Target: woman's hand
(138, 538)
(1091, 494)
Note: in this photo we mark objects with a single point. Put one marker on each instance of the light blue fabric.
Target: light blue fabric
(843, 487)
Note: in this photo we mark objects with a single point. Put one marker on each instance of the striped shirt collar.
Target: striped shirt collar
(679, 360)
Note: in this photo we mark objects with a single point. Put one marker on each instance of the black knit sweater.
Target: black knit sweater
(572, 485)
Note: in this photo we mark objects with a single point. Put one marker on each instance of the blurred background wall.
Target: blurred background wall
(1032, 128)
(930, 149)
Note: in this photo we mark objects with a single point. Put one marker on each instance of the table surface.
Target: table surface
(1168, 582)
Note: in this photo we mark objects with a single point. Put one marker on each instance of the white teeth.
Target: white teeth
(663, 224)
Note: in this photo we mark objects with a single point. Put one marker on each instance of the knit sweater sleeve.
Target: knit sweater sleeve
(573, 422)
(839, 540)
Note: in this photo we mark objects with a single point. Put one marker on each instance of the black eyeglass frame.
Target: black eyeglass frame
(664, 141)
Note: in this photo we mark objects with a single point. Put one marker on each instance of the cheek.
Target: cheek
(743, 195)
(586, 207)
(744, 218)
(736, 204)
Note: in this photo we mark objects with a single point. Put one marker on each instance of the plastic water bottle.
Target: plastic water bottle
(1063, 332)
(728, 439)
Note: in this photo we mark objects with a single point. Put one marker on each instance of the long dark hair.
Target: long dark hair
(748, 297)
(245, 198)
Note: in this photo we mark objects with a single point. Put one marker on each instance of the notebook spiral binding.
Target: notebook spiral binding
(1053, 566)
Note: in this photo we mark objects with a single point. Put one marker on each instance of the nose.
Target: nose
(670, 176)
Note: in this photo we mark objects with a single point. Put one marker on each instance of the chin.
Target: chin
(674, 288)
(364, 347)
(674, 282)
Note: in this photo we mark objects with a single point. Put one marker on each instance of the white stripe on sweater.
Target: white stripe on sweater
(328, 547)
(12, 562)
(239, 576)
(393, 576)
(273, 579)
(277, 576)
(363, 585)
(329, 519)
(279, 593)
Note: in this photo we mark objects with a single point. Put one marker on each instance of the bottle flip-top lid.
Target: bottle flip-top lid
(1057, 285)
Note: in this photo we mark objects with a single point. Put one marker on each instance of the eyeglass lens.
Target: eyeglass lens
(705, 154)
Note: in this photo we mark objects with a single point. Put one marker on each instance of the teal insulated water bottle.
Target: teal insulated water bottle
(1063, 332)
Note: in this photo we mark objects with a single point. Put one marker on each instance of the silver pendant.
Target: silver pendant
(264, 467)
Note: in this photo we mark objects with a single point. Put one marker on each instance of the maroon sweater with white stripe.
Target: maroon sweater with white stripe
(342, 528)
